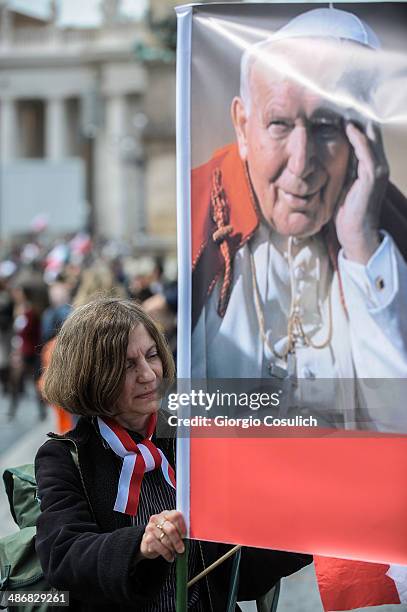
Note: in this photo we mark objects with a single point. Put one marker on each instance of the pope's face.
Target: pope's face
(296, 151)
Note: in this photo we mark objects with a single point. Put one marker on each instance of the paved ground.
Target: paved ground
(299, 593)
(26, 418)
(19, 441)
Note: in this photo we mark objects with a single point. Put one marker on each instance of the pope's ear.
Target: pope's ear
(239, 119)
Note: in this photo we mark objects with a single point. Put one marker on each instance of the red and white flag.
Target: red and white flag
(332, 493)
(346, 585)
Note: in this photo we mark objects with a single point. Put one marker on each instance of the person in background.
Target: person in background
(6, 334)
(98, 279)
(25, 360)
(51, 322)
(163, 308)
(59, 294)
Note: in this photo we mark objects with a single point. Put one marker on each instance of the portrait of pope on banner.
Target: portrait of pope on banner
(299, 237)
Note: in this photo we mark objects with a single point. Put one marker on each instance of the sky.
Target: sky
(78, 12)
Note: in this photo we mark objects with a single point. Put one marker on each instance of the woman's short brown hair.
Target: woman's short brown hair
(87, 367)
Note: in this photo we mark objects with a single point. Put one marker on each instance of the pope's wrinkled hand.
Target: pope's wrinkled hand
(357, 217)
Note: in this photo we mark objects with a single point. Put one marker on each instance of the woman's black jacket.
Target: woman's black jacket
(90, 550)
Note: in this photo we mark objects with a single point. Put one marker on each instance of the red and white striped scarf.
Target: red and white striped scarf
(137, 459)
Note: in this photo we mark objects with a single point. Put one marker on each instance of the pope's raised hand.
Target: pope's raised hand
(357, 217)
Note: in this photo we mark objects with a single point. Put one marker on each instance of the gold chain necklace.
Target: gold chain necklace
(295, 328)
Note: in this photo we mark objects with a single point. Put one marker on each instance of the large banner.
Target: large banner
(292, 141)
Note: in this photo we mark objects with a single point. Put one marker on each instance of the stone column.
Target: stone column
(119, 169)
(6, 25)
(112, 211)
(140, 121)
(55, 129)
(8, 129)
(132, 159)
(115, 129)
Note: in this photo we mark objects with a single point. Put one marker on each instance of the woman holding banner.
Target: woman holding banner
(108, 531)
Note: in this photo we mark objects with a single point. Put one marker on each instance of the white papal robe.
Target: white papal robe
(369, 337)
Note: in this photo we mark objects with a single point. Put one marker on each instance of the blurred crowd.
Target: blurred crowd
(40, 284)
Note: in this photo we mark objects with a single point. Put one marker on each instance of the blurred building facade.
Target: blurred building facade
(87, 124)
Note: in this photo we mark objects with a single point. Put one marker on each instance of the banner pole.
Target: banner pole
(183, 117)
(182, 580)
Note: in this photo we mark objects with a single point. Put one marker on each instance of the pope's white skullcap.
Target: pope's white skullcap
(329, 23)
